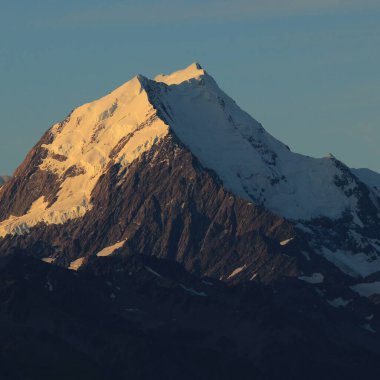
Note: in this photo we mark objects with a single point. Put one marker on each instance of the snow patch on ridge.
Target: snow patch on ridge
(76, 264)
(367, 289)
(285, 242)
(49, 260)
(236, 271)
(149, 269)
(339, 302)
(191, 72)
(315, 278)
(355, 265)
(110, 249)
(192, 291)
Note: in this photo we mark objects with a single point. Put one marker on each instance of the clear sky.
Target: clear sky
(309, 70)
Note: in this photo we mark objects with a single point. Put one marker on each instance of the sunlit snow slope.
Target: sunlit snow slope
(118, 127)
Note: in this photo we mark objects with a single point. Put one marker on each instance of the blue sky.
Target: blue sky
(308, 70)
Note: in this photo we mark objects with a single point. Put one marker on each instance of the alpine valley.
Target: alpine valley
(161, 232)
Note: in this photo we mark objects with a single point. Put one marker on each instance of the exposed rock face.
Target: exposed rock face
(28, 183)
(166, 204)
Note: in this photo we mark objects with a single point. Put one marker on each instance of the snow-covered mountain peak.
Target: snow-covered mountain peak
(251, 162)
(119, 127)
(129, 89)
(194, 71)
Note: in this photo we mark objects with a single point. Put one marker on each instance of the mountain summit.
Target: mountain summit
(129, 121)
(187, 111)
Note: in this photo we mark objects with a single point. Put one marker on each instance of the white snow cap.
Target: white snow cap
(191, 72)
(121, 126)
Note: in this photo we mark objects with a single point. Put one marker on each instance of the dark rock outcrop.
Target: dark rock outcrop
(133, 316)
(29, 183)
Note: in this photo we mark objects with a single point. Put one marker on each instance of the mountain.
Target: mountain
(172, 169)
(191, 153)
